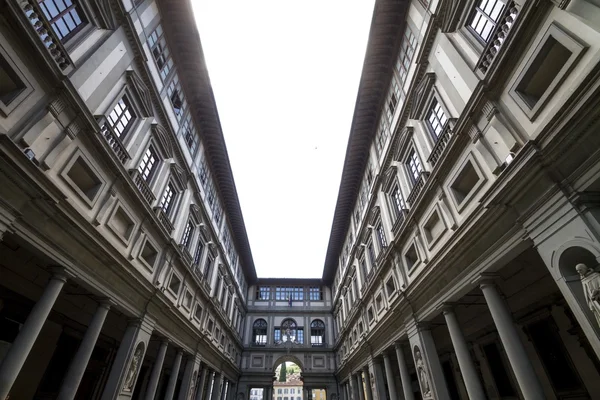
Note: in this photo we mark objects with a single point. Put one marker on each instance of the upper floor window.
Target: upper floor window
(65, 17)
(259, 332)
(160, 52)
(407, 51)
(167, 200)
(382, 241)
(397, 201)
(199, 251)
(395, 99)
(363, 267)
(148, 165)
(371, 254)
(188, 232)
(436, 119)
(315, 293)
(176, 96)
(288, 326)
(190, 135)
(485, 17)
(317, 333)
(121, 117)
(414, 165)
(285, 293)
(263, 293)
(208, 266)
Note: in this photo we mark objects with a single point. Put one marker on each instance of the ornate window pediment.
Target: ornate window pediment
(139, 89)
(421, 95)
(162, 140)
(179, 176)
(451, 15)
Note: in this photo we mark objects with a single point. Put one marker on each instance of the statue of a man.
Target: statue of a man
(590, 280)
(422, 373)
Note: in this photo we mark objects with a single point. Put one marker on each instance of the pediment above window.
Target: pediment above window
(389, 177)
(195, 213)
(450, 15)
(162, 139)
(374, 215)
(421, 95)
(179, 176)
(105, 14)
(140, 91)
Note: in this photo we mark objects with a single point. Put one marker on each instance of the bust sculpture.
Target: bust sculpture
(590, 280)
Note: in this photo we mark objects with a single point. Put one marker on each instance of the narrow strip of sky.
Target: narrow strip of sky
(285, 76)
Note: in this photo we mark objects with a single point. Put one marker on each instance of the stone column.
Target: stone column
(389, 375)
(79, 363)
(351, 385)
(202, 383)
(521, 365)
(368, 390)
(427, 363)
(128, 360)
(18, 352)
(377, 375)
(216, 390)
(404, 375)
(190, 377)
(359, 386)
(467, 367)
(173, 376)
(156, 370)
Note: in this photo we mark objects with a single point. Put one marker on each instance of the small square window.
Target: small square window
(433, 228)
(546, 69)
(11, 85)
(411, 257)
(370, 315)
(174, 283)
(187, 299)
(149, 254)
(84, 179)
(390, 286)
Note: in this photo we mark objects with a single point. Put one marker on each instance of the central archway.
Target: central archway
(288, 382)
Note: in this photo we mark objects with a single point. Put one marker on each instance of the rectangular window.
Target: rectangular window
(166, 202)
(121, 117)
(381, 237)
(315, 293)
(190, 135)
(263, 293)
(436, 119)
(176, 96)
(414, 165)
(65, 17)
(397, 201)
(285, 292)
(300, 335)
(405, 55)
(199, 251)
(10, 83)
(188, 232)
(363, 267)
(277, 336)
(484, 18)
(148, 165)
(160, 52)
(371, 254)
(208, 266)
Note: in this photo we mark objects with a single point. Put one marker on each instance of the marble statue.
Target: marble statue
(590, 280)
(193, 385)
(422, 373)
(133, 367)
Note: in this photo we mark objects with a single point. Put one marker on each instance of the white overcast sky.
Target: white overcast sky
(285, 75)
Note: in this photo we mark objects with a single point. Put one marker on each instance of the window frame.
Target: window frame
(174, 84)
(407, 164)
(75, 5)
(473, 12)
(260, 333)
(124, 136)
(169, 56)
(152, 173)
(435, 100)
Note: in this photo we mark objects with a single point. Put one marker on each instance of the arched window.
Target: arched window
(288, 330)
(259, 332)
(317, 333)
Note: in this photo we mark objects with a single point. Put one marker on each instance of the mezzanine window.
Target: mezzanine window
(263, 293)
(190, 135)
(407, 51)
(286, 292)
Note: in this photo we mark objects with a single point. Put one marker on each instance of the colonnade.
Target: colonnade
(209, 384)
(427, 364)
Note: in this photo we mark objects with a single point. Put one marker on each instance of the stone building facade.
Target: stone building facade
(463, 256)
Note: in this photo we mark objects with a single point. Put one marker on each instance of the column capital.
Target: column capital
(448, 308)
(105, 302)
(485, 279)
(398, 345)
(60, 273)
